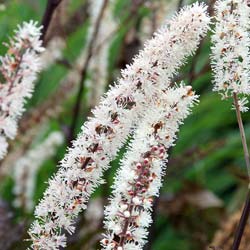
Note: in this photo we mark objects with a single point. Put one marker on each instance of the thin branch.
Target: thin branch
(77, 19)
(126, 22)
(242, 133)
(246, 210)
(47, 17)
(65, 62)
(242, 223)
(78, 102)
(92, 50)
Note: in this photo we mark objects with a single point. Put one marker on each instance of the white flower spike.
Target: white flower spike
(230, 51)
(26, 168)
(128, 216)
(102, 136)
(19, 68)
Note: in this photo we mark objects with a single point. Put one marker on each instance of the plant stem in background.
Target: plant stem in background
(93, 48)
(246, 210)
(242, 133)
(47, 17)
(78, 102)
(242, 223)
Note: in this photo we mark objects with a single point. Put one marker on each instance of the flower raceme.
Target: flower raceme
(18, 68)
(230, 51)
(127, 217)
(101, 137)
(26, 168)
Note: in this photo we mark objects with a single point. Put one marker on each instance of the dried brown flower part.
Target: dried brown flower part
(223, 239)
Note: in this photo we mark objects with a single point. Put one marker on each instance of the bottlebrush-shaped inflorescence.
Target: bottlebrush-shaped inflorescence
(128, 216)
(230, 50)
(102, 136)
(19, 68)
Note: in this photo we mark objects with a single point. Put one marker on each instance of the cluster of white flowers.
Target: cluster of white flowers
(230, 50)
(139, 178)
(102, 136)
(19, 68)
(26, 168)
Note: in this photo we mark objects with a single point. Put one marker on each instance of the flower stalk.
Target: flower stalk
(242, 133)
